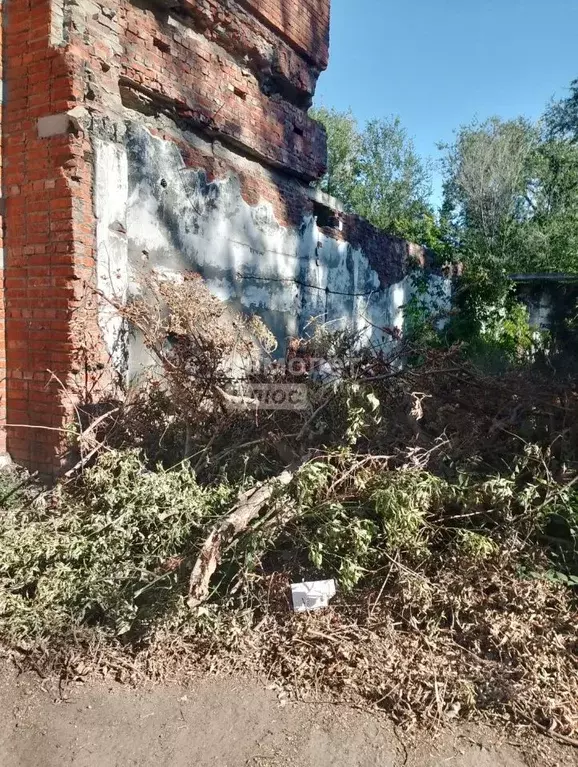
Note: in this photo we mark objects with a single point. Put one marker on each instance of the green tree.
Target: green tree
(553, 244)
(511, 193)
(377, 173)
(547, 240)
(394, 184)
(562, 116)
(343, 153)
(487, 172)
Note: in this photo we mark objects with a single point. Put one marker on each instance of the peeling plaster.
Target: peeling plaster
(175, 220)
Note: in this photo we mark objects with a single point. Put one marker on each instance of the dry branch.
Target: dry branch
(249, 507)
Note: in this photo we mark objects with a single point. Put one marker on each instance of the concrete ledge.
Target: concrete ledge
(5, 460)
(65, 122)
(322, 198)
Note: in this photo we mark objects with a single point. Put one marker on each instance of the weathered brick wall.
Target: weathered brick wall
(113, 105)
(201, 85)
(305, 23)
(72, 72)
(48, 231)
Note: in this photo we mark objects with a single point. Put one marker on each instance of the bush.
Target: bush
(109, 555)
(492, 324)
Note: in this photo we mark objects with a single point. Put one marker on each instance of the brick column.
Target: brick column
(48, 230)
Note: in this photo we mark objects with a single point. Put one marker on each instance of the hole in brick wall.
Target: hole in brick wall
(140, 102)
(273, 85)
(299, 131)
(241, 94)
(161, 45)
(325, 217)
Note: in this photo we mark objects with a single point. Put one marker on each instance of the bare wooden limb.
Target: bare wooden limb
(85, 459)
(32, 426)
(249, 506)
(550, 733)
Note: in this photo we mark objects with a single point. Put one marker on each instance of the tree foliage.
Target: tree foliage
(343, 154)
(487, 171)
(511, 191)
(376, 172)
(394, 182)
(510, 187)
(562, 116)
(548, 239)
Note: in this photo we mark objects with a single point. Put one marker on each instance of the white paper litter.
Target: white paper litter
(314, 595)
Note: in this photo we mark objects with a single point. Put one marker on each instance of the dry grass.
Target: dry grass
(467, 642)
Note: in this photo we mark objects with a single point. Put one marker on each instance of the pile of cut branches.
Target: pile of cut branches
(443, 501)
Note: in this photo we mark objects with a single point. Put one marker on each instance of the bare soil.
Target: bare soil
(230, 722)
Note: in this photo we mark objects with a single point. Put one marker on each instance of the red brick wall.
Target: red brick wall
(251, 91)
(2, 307)
(210, 89)
(305, 23)
(49, 234)
(257, 43)
(229, 74)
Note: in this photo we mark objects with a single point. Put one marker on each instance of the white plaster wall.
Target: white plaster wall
(174, 220)
(540, 309)
(111, 195)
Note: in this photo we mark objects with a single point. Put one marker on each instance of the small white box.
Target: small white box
(314, 595)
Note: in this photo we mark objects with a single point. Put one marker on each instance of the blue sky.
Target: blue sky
(440, 63)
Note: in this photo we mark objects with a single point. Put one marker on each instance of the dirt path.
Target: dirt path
(224, 723)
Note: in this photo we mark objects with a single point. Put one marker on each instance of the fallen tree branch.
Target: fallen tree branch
(83, 461)
(233, 403)
(249, 506)
(33, 426)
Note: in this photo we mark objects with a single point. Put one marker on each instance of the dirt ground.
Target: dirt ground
(228, 723)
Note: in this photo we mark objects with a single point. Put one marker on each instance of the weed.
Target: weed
(404, 501)
(476, 545)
